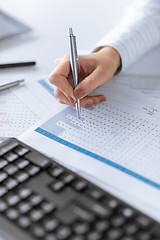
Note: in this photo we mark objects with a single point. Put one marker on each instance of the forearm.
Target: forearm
(138, 32)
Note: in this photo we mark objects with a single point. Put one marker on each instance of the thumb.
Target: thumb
(88, 84)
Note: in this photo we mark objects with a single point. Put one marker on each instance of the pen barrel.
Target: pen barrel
(78, 108)
(15, 65)
(74, 66)
(10, 85)
(73, 59)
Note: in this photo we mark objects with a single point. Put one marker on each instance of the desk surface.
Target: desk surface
(50, 21)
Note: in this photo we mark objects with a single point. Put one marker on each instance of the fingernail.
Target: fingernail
(103, 99)
(79, 93)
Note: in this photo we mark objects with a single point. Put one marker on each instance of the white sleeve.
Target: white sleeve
(137, 33)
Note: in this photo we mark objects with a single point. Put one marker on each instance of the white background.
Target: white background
(50, 19)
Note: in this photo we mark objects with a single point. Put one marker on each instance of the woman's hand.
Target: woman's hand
(94, 70)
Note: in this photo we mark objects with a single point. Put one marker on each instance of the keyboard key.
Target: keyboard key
(57, 186)
(3, 205)
(81, 212)
(111, 203)
(100, 210)
(21, 163)
(56, 172)
(35, 199)
(78, 237)
(128, 238)
(118, 221)
(38, 159)
(3, 176)
(131, 229)
(67, 177)
(24, 192)
(10, 169)
(8, 147)
(11, 156)
(143, 221)
(114, 234)
(145, 236)
(21, 150)
(3, 163)
(81, 228)
(95, 194)
(127, 212)
(36, 215)
(38, 231)
(24, 207)
(63, 233)
(102, 225)
(2, 151)
(24, 222)
(50, 224)
(79, 185)
(12, 199)
(47, 207)
(12, 213)
(3, 190)
(51, 236)
(21, 176)
(10, 183)
(32, 169)
(94, 236)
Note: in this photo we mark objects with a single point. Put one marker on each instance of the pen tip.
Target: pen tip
(78, 114)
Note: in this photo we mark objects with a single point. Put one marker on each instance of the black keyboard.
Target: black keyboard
(41, 199)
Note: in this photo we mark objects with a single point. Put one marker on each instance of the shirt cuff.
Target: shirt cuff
(132, 42)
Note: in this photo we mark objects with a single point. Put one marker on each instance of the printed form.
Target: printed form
(23, 106)
(122, 132)
(116, 143)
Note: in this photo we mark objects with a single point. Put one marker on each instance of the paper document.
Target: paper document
(24, 105)
(117, 142)
(15, 116)
(148, 85)
(114, 133)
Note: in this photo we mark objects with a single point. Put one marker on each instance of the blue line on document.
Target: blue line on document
(46, 85)
(98, 157)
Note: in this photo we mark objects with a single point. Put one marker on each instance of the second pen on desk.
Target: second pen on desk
(17, 64)
(74, 67)
(11, 84)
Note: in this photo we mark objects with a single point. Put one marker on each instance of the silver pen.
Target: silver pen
(10, 85)
(74, 68)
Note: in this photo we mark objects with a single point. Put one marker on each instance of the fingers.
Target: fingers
(85, 102)
(95, 79)
(61, 97)
(91, 75)
(59, 78)
(92, 100)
